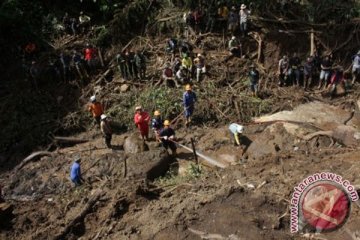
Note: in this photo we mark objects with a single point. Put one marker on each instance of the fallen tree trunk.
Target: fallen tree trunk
(69, 140)
(80, 217)
(32, 157)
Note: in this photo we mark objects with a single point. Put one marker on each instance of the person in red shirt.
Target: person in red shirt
(142, 120)
(89, 54)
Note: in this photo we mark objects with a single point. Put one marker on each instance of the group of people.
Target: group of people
(316, 70)
(131, 65)
(74, 25)
(219, 15)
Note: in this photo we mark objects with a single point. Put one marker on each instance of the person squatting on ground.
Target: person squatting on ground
(244, 14)
(142, 120)
(167, 136)
(96, 109)
(75, 172)
(189, 99)
(236, 131)
(254, 77)
(336, 78)
(157, 124)
(106, 130)
(355, 68)
(234, 47)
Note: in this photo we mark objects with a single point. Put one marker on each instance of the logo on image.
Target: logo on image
(321, 202)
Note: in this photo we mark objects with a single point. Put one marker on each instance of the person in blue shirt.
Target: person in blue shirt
(75, 172)
(236, 130)
(189, 99)
(157, 124)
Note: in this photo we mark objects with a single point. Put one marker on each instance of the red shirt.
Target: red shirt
(142, 120)
(89, 53)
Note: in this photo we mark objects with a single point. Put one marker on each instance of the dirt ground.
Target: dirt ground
(249, 199)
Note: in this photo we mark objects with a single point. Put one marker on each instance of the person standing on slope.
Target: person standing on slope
(142, 120)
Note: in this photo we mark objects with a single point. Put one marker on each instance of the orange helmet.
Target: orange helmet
(188, 87)
(166, 123)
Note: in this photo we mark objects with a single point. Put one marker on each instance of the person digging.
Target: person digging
(167, 136)
(157, 124)
(236, 131)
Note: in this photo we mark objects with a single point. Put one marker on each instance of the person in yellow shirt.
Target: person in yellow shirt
(186, 62)
(96, 109)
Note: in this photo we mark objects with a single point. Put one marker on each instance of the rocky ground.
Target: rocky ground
(129, 194)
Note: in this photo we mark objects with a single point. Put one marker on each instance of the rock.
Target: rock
(149, 165)
(347, 135)
(124, 87)
(133, 144)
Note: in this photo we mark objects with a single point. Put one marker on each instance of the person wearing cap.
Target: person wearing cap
(355, 67)
(75, 172)
(200, 66)
(142, 120)
(106, 130)
(167, 136)
(254, 80)
(96, 109)
(244, 14)
(189, 99)
(157, 124)
(236, 130)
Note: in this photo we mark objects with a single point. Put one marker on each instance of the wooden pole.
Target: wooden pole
(312, 42)
(194, 151)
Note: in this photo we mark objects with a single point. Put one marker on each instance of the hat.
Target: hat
(93, 98)
(138, 108)
(240, 129)
(157, 113)
(187, 87)
(166, 123)
(252, 66)
(243, 6)
(199, 55)
(77, 159)
(103, 116)
(233, 8)
(233, 38)
(358, 52)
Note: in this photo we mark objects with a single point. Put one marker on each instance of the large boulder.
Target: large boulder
(148, 165)
(133, 144)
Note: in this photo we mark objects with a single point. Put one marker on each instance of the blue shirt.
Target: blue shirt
(189, 98)
(75, 171)
(157, 123)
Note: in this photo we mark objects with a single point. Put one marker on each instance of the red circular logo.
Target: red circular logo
(325, 206)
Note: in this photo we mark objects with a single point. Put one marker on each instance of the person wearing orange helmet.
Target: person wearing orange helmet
(142, 120)
(167, 136)
(157, 124)
(189, 99)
